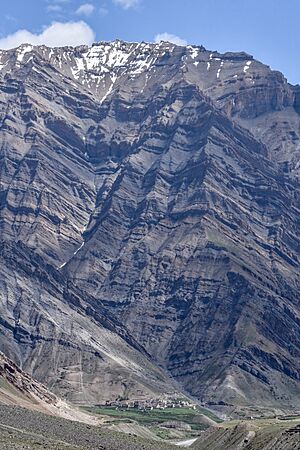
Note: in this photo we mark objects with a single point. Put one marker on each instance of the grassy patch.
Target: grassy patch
(162, 433)
(157, 416)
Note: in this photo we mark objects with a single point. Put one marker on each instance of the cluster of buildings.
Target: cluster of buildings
(150, 404)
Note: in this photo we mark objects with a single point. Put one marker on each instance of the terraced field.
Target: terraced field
(198, 419)
(171, 424)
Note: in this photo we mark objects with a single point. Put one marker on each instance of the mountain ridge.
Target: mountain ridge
(163, 182)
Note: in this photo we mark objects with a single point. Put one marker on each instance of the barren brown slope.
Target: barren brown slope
(123, 166)
(250, 436)
(22, 429)
(196, 242)
(52, 330)
(17, 388)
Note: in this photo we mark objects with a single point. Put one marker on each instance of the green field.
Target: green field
(157, 416)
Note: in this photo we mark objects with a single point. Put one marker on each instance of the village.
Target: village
(150, 404)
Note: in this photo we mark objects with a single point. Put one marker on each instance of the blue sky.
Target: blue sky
(268, 29)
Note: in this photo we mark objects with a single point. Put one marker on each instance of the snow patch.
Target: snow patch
(92, 64)
(21, 52)
(220, 68)
(194, 51)
(247, 66)
(79, 67)
(79, 248)
(114, 78)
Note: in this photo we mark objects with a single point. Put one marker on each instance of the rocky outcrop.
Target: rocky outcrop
(12, 378)
(259, 99)
(53, 331)
(18, 390)
(157, 187)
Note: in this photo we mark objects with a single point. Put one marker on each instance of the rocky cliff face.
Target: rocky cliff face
(65, 339)
(161, 184)
(18, 389)
(16, 386)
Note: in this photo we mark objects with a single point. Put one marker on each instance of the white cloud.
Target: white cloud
(55, 35)
(126, 4)
(86, 9)
(54, 8)
(170, 38)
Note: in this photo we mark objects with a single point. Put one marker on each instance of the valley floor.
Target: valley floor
(22, 429)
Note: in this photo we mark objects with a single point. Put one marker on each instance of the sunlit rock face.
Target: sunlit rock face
(162, 182)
